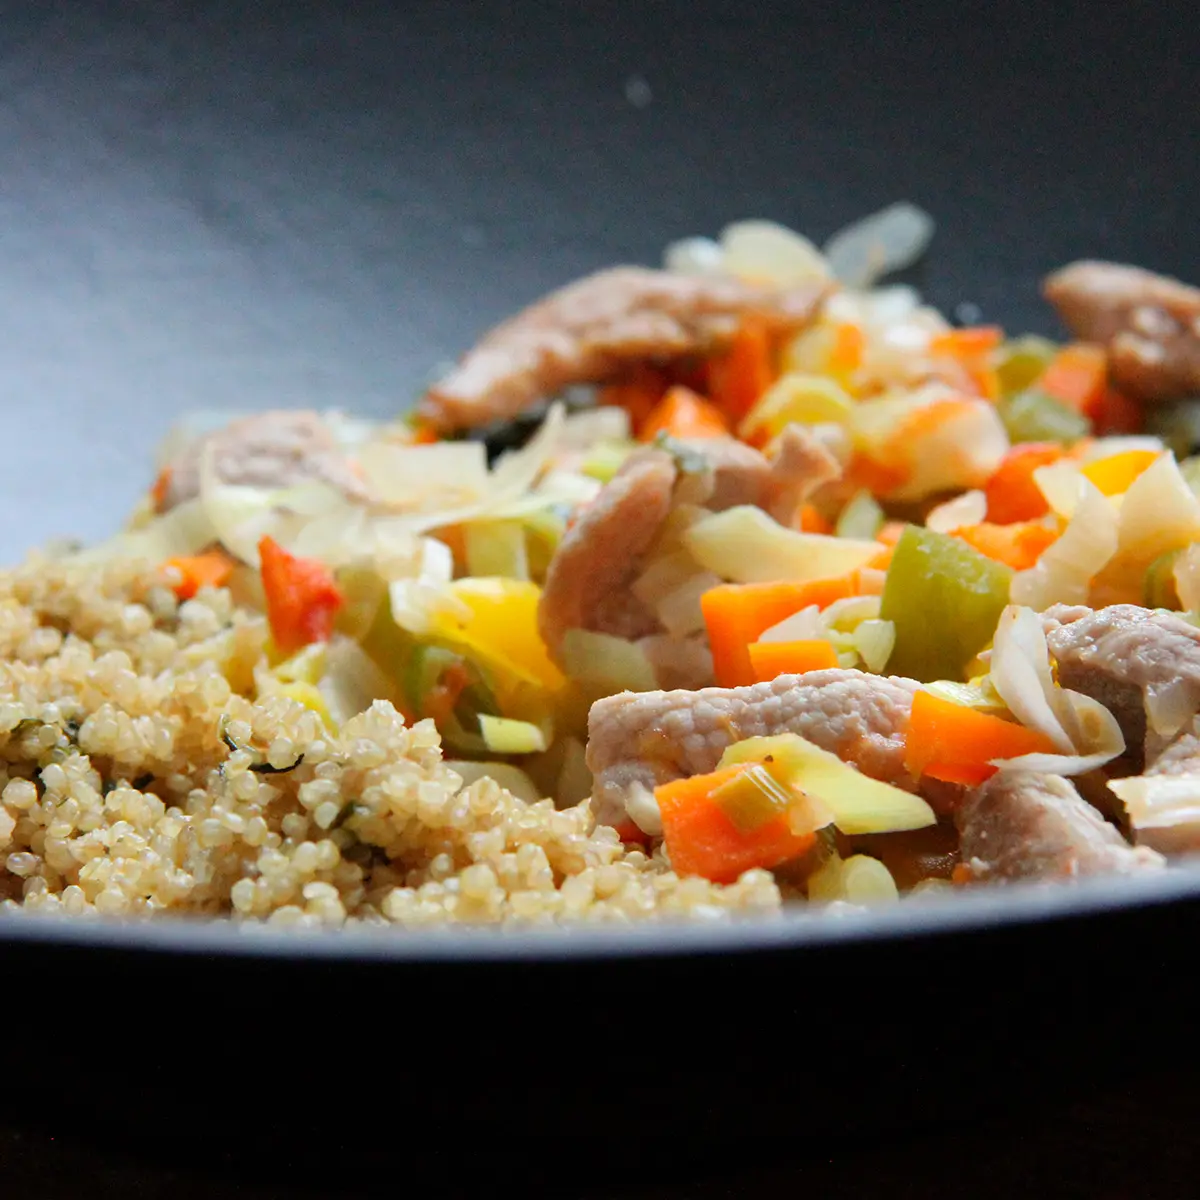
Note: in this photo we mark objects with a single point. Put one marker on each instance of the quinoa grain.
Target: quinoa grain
(119, 797)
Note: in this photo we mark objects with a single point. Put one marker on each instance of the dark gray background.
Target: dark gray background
(236, 205)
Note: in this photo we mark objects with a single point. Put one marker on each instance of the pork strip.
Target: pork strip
(1024, 825)
(638, 740)
(589, 578)
(595, 330)
(1128, 658)
(1149, 323)
(275, 449)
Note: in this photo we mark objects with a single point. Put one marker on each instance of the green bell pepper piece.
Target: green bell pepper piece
(1034, 416)
(945, 599)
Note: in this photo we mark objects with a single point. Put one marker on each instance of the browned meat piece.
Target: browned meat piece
(741, 475)
(587, 582)
(1133, 660)
(1022, 825)
(589, 578)
(270, 450)
(596, 329)
(1150, 324)
(640, 740)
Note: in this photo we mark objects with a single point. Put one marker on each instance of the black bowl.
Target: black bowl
(246, 206)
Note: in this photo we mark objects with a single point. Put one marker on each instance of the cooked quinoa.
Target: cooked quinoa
(120, 793)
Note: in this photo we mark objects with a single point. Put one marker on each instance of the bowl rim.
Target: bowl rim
(936, 916)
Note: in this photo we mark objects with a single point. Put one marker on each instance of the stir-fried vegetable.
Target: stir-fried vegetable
(772, 659)
(737, 615)
(855, 802)
(189, 573)
(1036, 416)
(301, 595)
(944, 599)
(702, 839)
(741, 374)
(960, 745)
(1012, 492)
(744, 545)
(681, 413)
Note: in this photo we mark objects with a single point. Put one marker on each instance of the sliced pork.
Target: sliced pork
(1138, 662)
(276, 449)
(1024, 825)
(597, 329)
(638, 740)
(1149, 323)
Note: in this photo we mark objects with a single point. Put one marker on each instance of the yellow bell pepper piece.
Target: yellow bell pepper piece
(501, 633)
(1114, 474)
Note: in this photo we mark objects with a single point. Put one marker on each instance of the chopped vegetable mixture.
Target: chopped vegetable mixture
(801, 581)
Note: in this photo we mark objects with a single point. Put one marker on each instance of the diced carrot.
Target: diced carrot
(302, 597)
(1078, 376)
(158, 490)
(961, 875)
(811, 520)
(772, 659)
(1018, 545)
(869, 473)
(638, 395)
(890, 533)
(681, 413)
(957, 744)
(1113, 474)
(739, 376)
(1012, 492)
(971, 349)
(702, 840)
(967, 343)
(210, 569)
(737, 614)
(846, 354)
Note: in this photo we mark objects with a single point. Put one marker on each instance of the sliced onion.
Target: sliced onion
(1061, 484)
(765, 252)
(804, 626)
(886, 241)
(1100, 736)
(352, 681)
(582, 430)
(1164, 810)
(1021, 675)
(608, 664)
(1187, 578)
(518, 471)
(875, 640)
(679, 611)
(1169, 706)
(968, 509)
(1083, 730)
(695, 256)
(1159, 513)
(512, 779)
(1063, 574)
(416, 478)
(744, 545)
(185, 530)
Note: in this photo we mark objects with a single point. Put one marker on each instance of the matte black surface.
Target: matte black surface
(234, 205)
(229, 205)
